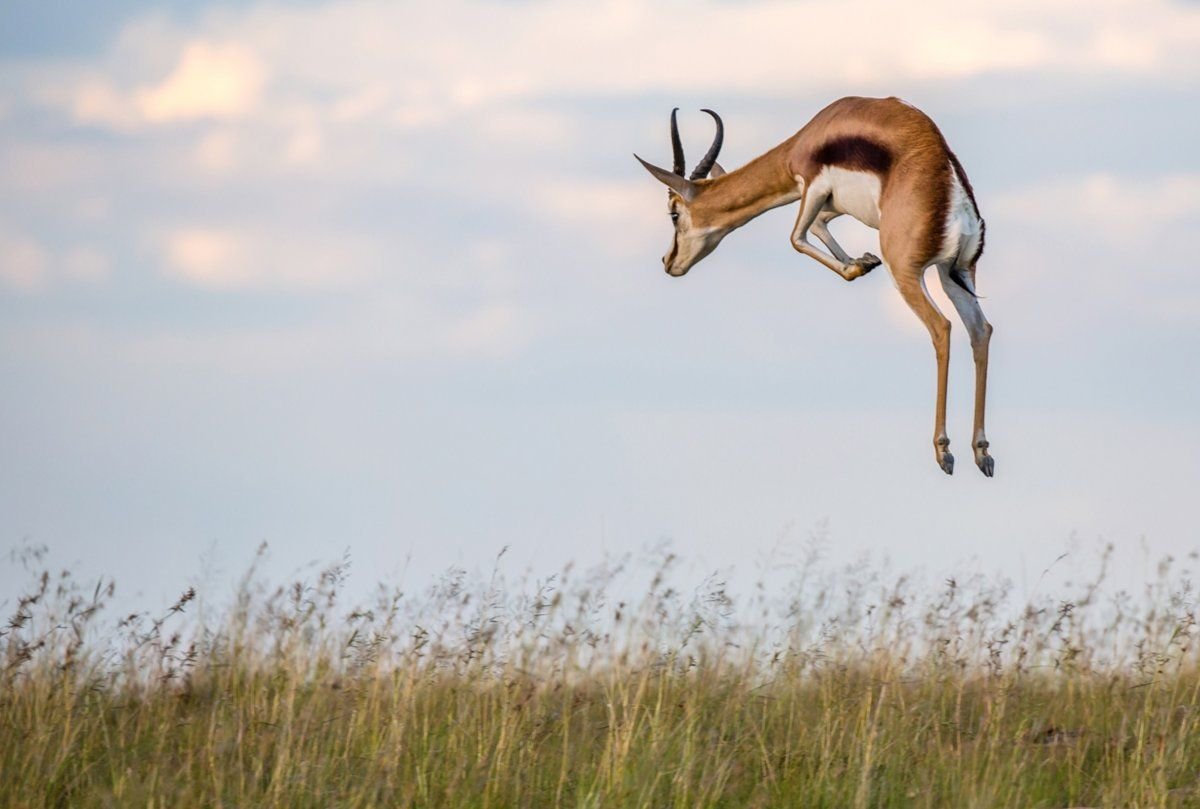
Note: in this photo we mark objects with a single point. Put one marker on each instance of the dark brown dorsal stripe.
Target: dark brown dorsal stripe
(856, 153)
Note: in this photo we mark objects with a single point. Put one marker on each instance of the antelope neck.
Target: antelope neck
(737, 197)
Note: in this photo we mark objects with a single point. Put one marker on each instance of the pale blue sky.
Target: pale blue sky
(385, 276)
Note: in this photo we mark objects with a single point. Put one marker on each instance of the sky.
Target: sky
(384, 277)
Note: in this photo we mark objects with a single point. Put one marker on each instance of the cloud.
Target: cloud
(281, 148)
(24, 264)
(206, 256)
(216, 151)
(304, 146)
(1109, 239)
(94, 100)
(492, 330)
(370, 202)
(235, 258)
(86, 263)
(208, 81)
(1124, 212)
(461, 54)
(609, 214)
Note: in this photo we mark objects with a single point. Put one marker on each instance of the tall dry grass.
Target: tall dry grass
(843, 688)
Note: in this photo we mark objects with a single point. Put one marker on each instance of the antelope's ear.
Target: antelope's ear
(717, 171)
(681, 185)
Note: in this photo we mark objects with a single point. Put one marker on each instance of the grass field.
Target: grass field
(841, 689)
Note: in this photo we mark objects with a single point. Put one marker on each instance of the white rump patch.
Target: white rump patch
(962, 224)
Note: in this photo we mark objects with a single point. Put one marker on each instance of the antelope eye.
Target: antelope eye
(674, 216)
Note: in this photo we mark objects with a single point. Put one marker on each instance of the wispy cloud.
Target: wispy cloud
(533, 49)
(24, 263)
(1110, 240)
(241, 258)
(299, 149)
(210, 81)
(413, 232)
(1120, 211)
(29, 265)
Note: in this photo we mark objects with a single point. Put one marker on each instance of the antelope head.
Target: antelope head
(696, 230)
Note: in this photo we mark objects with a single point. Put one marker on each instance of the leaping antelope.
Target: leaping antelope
(885, 163)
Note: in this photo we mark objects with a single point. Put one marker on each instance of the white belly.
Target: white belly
(855, 193)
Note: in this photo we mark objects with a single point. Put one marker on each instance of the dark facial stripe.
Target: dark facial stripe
(855, 153)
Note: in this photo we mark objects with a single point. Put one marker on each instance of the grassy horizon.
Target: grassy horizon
(843, 689)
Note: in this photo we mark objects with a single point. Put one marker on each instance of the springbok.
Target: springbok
(885, 163)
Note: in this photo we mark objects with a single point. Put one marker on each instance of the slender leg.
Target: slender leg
(809, 218)
(820, 229)
(980, 332)
(910, 280)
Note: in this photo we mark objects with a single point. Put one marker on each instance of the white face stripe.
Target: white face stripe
(688, 244)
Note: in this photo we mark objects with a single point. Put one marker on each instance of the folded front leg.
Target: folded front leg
(813, 216)
(820, 229)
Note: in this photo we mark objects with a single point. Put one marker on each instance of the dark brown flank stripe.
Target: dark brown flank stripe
(862, 154)
(855, 153)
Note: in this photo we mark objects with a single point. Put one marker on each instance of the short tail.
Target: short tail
(959, 277)
(966, 278)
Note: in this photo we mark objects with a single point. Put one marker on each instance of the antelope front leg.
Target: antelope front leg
(820, 229)
(810, 210)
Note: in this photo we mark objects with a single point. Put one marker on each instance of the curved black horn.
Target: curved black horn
(705, 166)
(677, 145)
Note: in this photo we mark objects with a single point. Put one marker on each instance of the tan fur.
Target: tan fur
(914, 189)
(916, 172)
